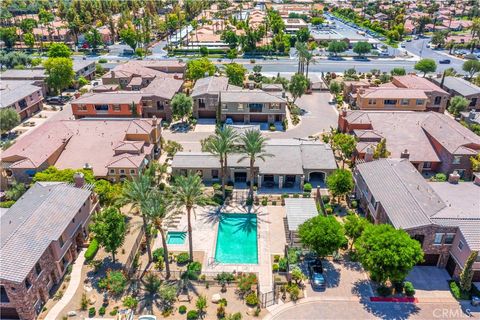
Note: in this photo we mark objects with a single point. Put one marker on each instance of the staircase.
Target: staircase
(292, 239)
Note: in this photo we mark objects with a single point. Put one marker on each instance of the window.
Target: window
(456, 159)
(427, 165)
(224, 106)
(240, 106)
(372, 101)
(255, 107)
(116, 107)
(438, 238)
(3, 295)
(28, 284)
(101, 107)
(132, 171)
(404, 102)
(82, 107)
(122, 171)
(38, 268)
(60, 241)
(373, 201)
(22, 104)
(437, 100)
(420, 102)
(449, 238)
(460, 245)
(473, 102)
(214, 174)
(112, 171)
(390, 102)
(201, 103)
(160, 106)
(274, 106)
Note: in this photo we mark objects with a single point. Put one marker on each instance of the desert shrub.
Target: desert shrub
(264, 201)
(157, 255)
(130, 302)
(326, 199)
(307, 195)
(246, 282)
(307, 187)
(225, 277)
(193, 270)
(296, 195)
(251, 299)
(275, 267)
(183, 258)
(282, 264)
(294, 291)
(192, 315)
(354, 204)
(276, 258)
(84, 302)
(409, 289)
(101, 311)
(92, 312)
(115, 282)
(7, 204)
(441, 177)
(91, 250)
(182, 309)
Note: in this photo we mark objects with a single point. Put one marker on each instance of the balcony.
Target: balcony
(255, 107)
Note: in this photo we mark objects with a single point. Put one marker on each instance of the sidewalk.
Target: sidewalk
(75, 279)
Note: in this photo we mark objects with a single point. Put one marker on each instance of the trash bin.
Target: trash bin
(475, 301)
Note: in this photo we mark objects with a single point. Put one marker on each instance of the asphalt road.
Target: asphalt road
(419, 47)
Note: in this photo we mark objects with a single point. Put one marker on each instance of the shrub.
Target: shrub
(274, 203)
(193, 270)
(251, 299)
(92, 312)
(101, 311)
(276, 258)
(264, 201)
(245, 283)
(216, 186)
(275, 267)
(91, 250)
(457, 291)
(7, 204)
(225, 277)
(409, 289)
(223, 302)
(292, 256)
(285, 195)
(84, 302)
(307, 187)
(307, 194)
(157, 255)
(115, 282)
(114, 312)
(326, 199)
(82, 81)
(282, 264)
(130, 302)
(354, 204)
(272, 127)
(182, 309)
(440, 177)
(183, 258)
(329, 210)
(294, 291)
(192, 315)
(102, 60)
(296, 195)
(221, 311)
(384, 291)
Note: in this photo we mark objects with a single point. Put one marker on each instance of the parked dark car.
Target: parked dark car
(317, 279)
(444, 61)
(58, 100)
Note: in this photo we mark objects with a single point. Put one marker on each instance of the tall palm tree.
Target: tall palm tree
(253, 147)
(135, 192)
(156, 208)
(222, 144)
(187, 192)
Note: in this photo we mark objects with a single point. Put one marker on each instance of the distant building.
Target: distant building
(23, 96)
(432, 142)
(461, 87)
(114, 149)
(41, 235)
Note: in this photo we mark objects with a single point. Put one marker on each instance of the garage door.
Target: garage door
(451, 264)
(9, 313)
(258, 118)
(430, 260)
(240, 177)
(236, 117)
(206, 114)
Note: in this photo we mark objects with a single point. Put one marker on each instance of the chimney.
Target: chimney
(476, 178)
(471, 115)
(79, 179)
(405, 154)
(369, 154)
(454, 177)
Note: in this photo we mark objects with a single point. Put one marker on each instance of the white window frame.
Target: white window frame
(435, 242)
(457, 159)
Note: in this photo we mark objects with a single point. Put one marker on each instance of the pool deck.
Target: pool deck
(205, 227)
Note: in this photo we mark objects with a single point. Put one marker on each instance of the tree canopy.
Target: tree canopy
(471, 67)
(94, 38)
(298, 85)
(303, 34)
(457, 105)
(130, 37)
(323, 235)
(59, 50)
(387, 253)
(235, 73)
(181, 106)
(337, 47)
(381, 150)
(340, 182)
(362, 47)
(59, 72)
(199, 68)
(109, 228)
(426, 66)
(9, 119)
(354, 226)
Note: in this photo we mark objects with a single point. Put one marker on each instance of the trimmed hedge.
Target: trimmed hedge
(7, 204)
(91, 250)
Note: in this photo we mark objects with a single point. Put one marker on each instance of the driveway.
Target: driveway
(430, 283)
(319, 116)
(345, 280)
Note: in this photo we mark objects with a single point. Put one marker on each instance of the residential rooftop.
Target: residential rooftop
(459, 85)
(249, 96)
(12, 91)
(39, 217)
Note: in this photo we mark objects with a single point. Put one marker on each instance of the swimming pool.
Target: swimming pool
(237, 239)
(176, 237)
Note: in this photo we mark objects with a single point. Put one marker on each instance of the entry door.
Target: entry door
(240, 177)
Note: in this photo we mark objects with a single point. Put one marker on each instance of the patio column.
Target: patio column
(259, 181)
(280, 182)
(302, 181)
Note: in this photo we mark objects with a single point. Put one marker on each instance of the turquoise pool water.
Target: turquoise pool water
(237, 239)
(174, 237)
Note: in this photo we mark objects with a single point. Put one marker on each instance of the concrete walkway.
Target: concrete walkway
(75, 279)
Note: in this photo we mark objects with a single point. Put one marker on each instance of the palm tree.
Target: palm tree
(222, 144)
(156, 208)
(187, 191)
(253, 147)
(135, 192)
